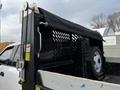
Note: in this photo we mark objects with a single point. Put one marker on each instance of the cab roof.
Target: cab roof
(10, 45)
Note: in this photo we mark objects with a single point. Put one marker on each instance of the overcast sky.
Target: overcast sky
(78, 11)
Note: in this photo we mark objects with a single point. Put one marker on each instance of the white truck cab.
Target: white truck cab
(9, 75)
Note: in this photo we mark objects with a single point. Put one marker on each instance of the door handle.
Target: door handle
(2, 74)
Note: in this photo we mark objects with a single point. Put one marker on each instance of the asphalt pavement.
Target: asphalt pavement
(112, 79)
(112, 73)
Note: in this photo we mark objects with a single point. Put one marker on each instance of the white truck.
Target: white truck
(9, 76)
(51, 45)
(111, 44)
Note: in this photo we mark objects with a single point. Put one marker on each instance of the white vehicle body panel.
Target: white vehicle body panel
(10, 79)
(1, 79)
(55, 81)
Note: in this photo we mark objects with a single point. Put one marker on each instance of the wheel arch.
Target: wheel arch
(97, 43)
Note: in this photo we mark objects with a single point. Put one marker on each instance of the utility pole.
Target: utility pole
(0, 19)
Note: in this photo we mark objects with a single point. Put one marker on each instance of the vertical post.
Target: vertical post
(28, 38)
(29, 29)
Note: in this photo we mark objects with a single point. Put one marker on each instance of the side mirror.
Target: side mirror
(19, 65)
(20, 68)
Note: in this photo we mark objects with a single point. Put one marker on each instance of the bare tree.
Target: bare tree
(113, 21)
(98, 21)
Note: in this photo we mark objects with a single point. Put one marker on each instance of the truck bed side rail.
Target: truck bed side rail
(55, 81)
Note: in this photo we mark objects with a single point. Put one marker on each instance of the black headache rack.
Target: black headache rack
(58, 45)
(62, 42)
(61, 24)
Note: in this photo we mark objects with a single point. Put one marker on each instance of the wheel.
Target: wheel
(97, 63)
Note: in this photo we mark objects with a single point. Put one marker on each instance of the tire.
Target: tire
(96, 63)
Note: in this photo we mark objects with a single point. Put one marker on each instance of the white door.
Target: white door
(10, 76)
(1, 78)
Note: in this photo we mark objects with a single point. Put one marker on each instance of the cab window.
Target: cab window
(6, 55)
(17, 54)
